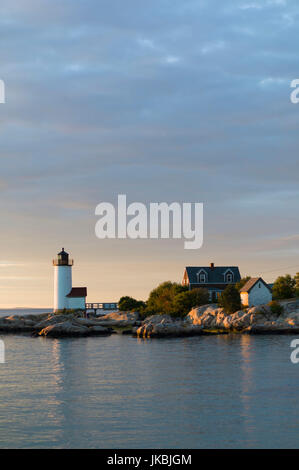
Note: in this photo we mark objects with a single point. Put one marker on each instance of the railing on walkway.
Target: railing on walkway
(101, 306)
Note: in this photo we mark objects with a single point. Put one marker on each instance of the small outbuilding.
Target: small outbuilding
(77, 298)
(255, 292)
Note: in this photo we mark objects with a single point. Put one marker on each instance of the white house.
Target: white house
(255, 292)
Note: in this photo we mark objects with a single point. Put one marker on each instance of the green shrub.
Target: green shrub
(128, 303)
(161, 299)
(185, 301)
(284, 287)
(230, 299)
(275, 307)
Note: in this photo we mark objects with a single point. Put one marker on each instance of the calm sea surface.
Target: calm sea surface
(120, 392)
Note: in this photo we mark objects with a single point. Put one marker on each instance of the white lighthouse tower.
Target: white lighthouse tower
(66, 296)
(62, 280)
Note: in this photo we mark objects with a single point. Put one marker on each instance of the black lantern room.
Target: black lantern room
(63, 259)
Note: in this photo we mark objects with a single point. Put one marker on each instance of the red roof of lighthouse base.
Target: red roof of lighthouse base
(78, 292)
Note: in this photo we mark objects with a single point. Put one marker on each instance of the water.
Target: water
(119, 392)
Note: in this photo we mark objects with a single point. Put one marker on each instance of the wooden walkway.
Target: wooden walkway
(101, 306)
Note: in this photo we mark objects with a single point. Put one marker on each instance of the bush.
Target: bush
(284, 287)
(161, 299)
(275, 307)
(185, 301)
(230, 299)
(128, 303)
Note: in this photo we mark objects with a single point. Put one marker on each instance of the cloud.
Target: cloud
(212, 47)
(19, 278)
(273, 81)
(248, 6)
(147, 43)
(171, 59)
(262, 4)
(180, 101)
(9, 264)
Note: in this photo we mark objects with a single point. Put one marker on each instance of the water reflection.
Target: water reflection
(70, 373)
(247, 386)
(208, 391)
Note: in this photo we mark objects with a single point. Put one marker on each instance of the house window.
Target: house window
(202, 278)
(229, 277)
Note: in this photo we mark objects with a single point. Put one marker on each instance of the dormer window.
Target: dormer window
(229, 277)
(202, 277)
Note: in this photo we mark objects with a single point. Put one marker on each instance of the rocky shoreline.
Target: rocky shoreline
(209, 319)
(68, 325)
(205, 320)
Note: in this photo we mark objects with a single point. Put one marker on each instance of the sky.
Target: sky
(162, 101)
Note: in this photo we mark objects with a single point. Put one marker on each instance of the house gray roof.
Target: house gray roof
(215, 274)
(251, 283)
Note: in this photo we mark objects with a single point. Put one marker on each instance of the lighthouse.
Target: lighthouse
(66, 296)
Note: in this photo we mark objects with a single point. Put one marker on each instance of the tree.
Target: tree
(242, 283)
(129, 303)
(230, 299)
(185, 301)
(161, 299)
(284, 287)
(297, 285)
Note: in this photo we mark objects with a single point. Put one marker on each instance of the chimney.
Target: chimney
(212, 265)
